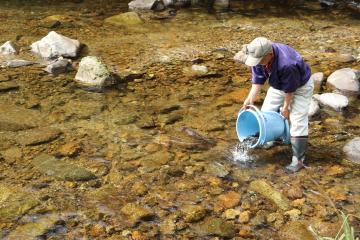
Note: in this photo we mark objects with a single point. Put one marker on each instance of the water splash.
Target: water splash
(240, 152)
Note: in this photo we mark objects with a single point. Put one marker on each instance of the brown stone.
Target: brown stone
(244, 217)
(335, 170)
(38, 136)
(295, 230)
(69, 149)
(294, 193)
(228, 200)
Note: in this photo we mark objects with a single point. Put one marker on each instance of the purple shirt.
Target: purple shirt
(288, 72)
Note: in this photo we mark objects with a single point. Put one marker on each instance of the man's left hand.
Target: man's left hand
(285, 112)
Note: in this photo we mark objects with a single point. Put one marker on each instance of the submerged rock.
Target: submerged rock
(345, 79)
(270, 193)
(93, 73)
(352, 150)
(137, 213)
(333, 100)
(38, 136)
(193, 213)
(7, 86)
(12, 154)
(56, 45)
(318, 79)
(18, 63)
(36, 229)
(61, 170)
(155, 161)
(14, 202)
(8, 48)
(13, 118)
(215, 226)
(125, 19)
(295, 230)
(61, 65)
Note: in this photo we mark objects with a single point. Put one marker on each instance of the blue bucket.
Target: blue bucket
(265, 125)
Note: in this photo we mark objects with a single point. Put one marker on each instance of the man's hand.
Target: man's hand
(285, 112)
(254, 91)
(247, 102)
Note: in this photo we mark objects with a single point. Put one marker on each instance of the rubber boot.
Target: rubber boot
(299, 147)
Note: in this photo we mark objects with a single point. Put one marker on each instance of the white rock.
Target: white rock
(93, 73)
(168, 2)
(314, 108)
(333, 100)
(59, 66)
(18, 63)
(344, 79)
(56, 45)
(142, 4)
(199, 68)
(318, 78)
(352, 150)
(8, 48)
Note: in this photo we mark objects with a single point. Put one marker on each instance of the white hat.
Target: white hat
(256, 50)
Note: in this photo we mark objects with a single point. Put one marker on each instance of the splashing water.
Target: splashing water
(240, 151)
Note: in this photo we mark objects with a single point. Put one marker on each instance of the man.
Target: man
(290, 89)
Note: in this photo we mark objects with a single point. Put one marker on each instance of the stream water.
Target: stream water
(149, 157)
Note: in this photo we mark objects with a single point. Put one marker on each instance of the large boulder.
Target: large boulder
(8, 48)
(346, 80)
(352, 150)
(93, 73)
(146, 5)
(333, 100)
(56, 45)
(314, 108)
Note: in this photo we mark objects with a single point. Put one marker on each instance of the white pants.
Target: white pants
(299, 107)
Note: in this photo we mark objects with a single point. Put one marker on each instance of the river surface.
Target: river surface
(151, 157)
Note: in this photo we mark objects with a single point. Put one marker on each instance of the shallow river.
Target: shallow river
(151, 157)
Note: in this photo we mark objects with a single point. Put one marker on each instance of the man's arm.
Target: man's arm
(255, 89)
(285, 109)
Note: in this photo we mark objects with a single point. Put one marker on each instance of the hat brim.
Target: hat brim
(251, 61)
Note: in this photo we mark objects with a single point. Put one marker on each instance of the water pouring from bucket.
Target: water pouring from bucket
(261, 126)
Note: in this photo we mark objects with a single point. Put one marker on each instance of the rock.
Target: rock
(36, 229)
(338, 193)
(226, 201)
(48, 165)
(12, 154)
(145, 5)
(270, 193)
(244, 217)
(7, 86)
(61, 65)
(293, 192)
(82, 109)
(336, 170)
(18, 63)
(37, 136)
(125, 19)
(130, 75)
(193, 213)
(155, 161)
(318, 79)
(231, 214)
(69, 149)
(259, 221)
(170, 118)
(293, 214)
(197, 71)
(56, 45)
(168, 226)
(314, 108)
(215, 226)
(169, 108)
(345, 79)
(295, 230)
(333, 100)
(137, 213)
(190, 139)
(217, 169)
(8, 48)
(352, 150)
(93, 73)
(13, 118)
(345, 58)
(14, 202)
(221, 4)
(139, 189)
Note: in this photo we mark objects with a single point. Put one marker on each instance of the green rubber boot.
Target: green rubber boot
(299, 147)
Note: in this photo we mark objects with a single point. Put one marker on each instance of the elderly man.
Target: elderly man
(290, 89)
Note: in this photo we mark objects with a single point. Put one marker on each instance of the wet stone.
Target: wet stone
(69, 149)
(168, 226)
(61, 65)
(168, 109)
(61, 170)
(14, 202)
(215, 226)
(36, 229)
(260, 219)
(295, 230)
(17, 63)
(155, 161)
(226, 201)
(12, 154)
(217, 169)
(13, 118)
(137, 213)
(37, 136)
(244, 217)
(345, 58)
(352, 150)
(7, 86)
(193, 213)
(232, 213)
(125, 19)
(270, 193)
